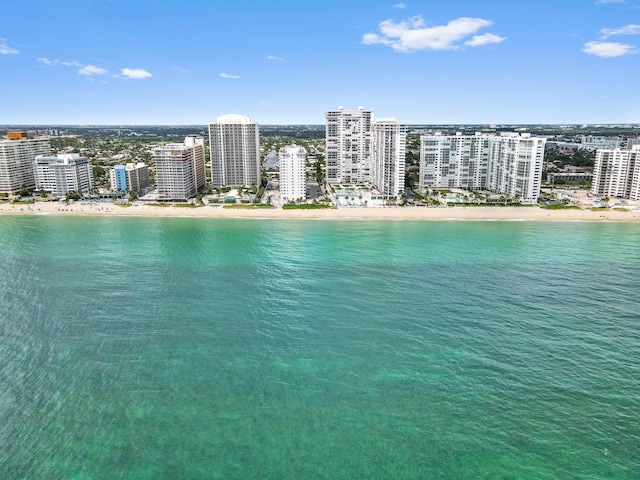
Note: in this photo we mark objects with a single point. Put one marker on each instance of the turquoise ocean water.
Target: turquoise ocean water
(169, 348)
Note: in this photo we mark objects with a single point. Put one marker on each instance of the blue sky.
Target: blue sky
(285, 62)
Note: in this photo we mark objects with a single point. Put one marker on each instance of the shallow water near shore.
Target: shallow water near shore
(149, 348)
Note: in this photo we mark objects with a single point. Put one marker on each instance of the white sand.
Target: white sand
(391, 213)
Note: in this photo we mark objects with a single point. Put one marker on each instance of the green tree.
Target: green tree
(73, 195)
(409, 181)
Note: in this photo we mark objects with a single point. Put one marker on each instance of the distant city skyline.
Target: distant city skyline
(110, 62)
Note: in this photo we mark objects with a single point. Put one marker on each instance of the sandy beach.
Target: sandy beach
(386, 213)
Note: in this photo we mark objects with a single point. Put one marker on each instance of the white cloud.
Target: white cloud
(399, 5)
(608, 49)
(486, 39)
(91, 70)
(135, 73)
(47, 61)
(626, 30)
(273, 57)
(597, 2)
(226, 75)
(55, 62)
(5, 49)
(180, 69)
(413, 34)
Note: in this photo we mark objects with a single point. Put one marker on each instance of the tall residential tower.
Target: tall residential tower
(179, 169)
(388, 149)
(507, 164)
(17, 154)
(348, 150)
(616, 173)
(293, 185)
(234, 142)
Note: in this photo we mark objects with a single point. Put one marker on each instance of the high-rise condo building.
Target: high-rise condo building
(507, 164)
(515, 166)
(132, 177)
(234, 142)
(388, 147)
(348, 145)
(197, 143)
(63, 173)
(178, 168)
(616, 173)
(17, 154)
(450, 161)
(293, 185)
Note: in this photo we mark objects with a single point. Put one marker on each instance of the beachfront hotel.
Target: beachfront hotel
(616, 173)
(132, 177)
(17, 153)
(388, 148)
(348, 145)
(293, 185)
(506, 164)
(179, 169)
(234, 142)
(63, 173)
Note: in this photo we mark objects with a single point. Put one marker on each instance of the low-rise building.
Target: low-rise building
(132, 177)
(593, 142)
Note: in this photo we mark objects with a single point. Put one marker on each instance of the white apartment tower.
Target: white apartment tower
(17, 154)
(515, 166)
(348, 145)
(197, 143)
(508, 164)
(179, 169)
(293, 185)
(63, 173)
(388, 148)
(616, 173)
(234, 142)
(454, 161)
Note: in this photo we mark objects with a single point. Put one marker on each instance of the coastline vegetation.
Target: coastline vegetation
(307, 206)
(249, 206)
(560, 207)
(489, 204)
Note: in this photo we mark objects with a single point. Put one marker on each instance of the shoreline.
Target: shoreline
(533, 213)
